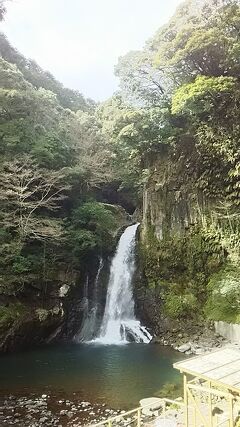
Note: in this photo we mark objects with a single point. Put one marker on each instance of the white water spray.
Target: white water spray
(119, 323)
(90, 317)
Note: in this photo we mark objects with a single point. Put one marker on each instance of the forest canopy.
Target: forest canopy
(65, 159)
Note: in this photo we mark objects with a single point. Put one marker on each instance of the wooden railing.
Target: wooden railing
(137, 421)
(210, 420)
(194, 417)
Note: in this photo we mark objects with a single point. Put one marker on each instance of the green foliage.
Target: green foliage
(170, 390)
(92, 227)
(140, 82)
(134, 134)
(53, 154)
(203, 95)
(181, 91)
(95, 216)
(210, 106)
(5, 236)
(180, 96)
(10, 314)
(224, 295)
(38, 78)
(200, 40)
(21, 265)
(33, 122)
(180, 306)
(178, 268)
(84, 241)
(135, 130)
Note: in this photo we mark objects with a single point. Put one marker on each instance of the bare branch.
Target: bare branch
(26, 190)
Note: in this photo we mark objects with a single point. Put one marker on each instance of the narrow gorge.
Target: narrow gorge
(119, 217)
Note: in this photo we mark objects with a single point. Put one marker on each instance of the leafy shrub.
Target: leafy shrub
(9, 314)
(4, 236)
(180, 305)
(91, 228)
(83, 241)
(94, 216)
(224, 295)
(21, 265)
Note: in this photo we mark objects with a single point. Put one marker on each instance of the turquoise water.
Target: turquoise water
(116, 375)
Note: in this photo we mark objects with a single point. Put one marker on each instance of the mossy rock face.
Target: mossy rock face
(177, 270)
(192, 275)
(188, 237)
(21, 326)
(10, 313)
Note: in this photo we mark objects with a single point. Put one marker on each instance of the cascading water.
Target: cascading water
(90, 317)
(119, 323)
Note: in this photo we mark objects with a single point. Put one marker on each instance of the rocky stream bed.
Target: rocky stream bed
(191, 340)
(50, 410)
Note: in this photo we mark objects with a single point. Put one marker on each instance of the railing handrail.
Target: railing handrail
(139, 408)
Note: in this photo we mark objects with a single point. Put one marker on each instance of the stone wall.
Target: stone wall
(230, 331)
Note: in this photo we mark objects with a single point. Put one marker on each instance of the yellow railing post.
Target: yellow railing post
(185, 399)
(164, 408)
(139, 418)
(210, 405)
(231, 422)
(137, 414)
(195, 417)
(204, 421)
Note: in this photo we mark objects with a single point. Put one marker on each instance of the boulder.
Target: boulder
(185, 347)
(150, 405)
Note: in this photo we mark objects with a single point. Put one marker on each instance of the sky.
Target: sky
(80, 41)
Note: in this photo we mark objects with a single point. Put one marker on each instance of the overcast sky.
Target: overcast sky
(79, 41)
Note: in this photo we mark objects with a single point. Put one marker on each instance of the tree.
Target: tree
(210, 106)
(204, 41)
(141, 83)
(204, 96)
(32, 121)
(93, 166)
(133, 134)
(91, 229)
(27, 193)
(39, 78)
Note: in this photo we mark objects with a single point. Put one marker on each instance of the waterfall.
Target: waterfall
(119, 324)
(90, 316)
